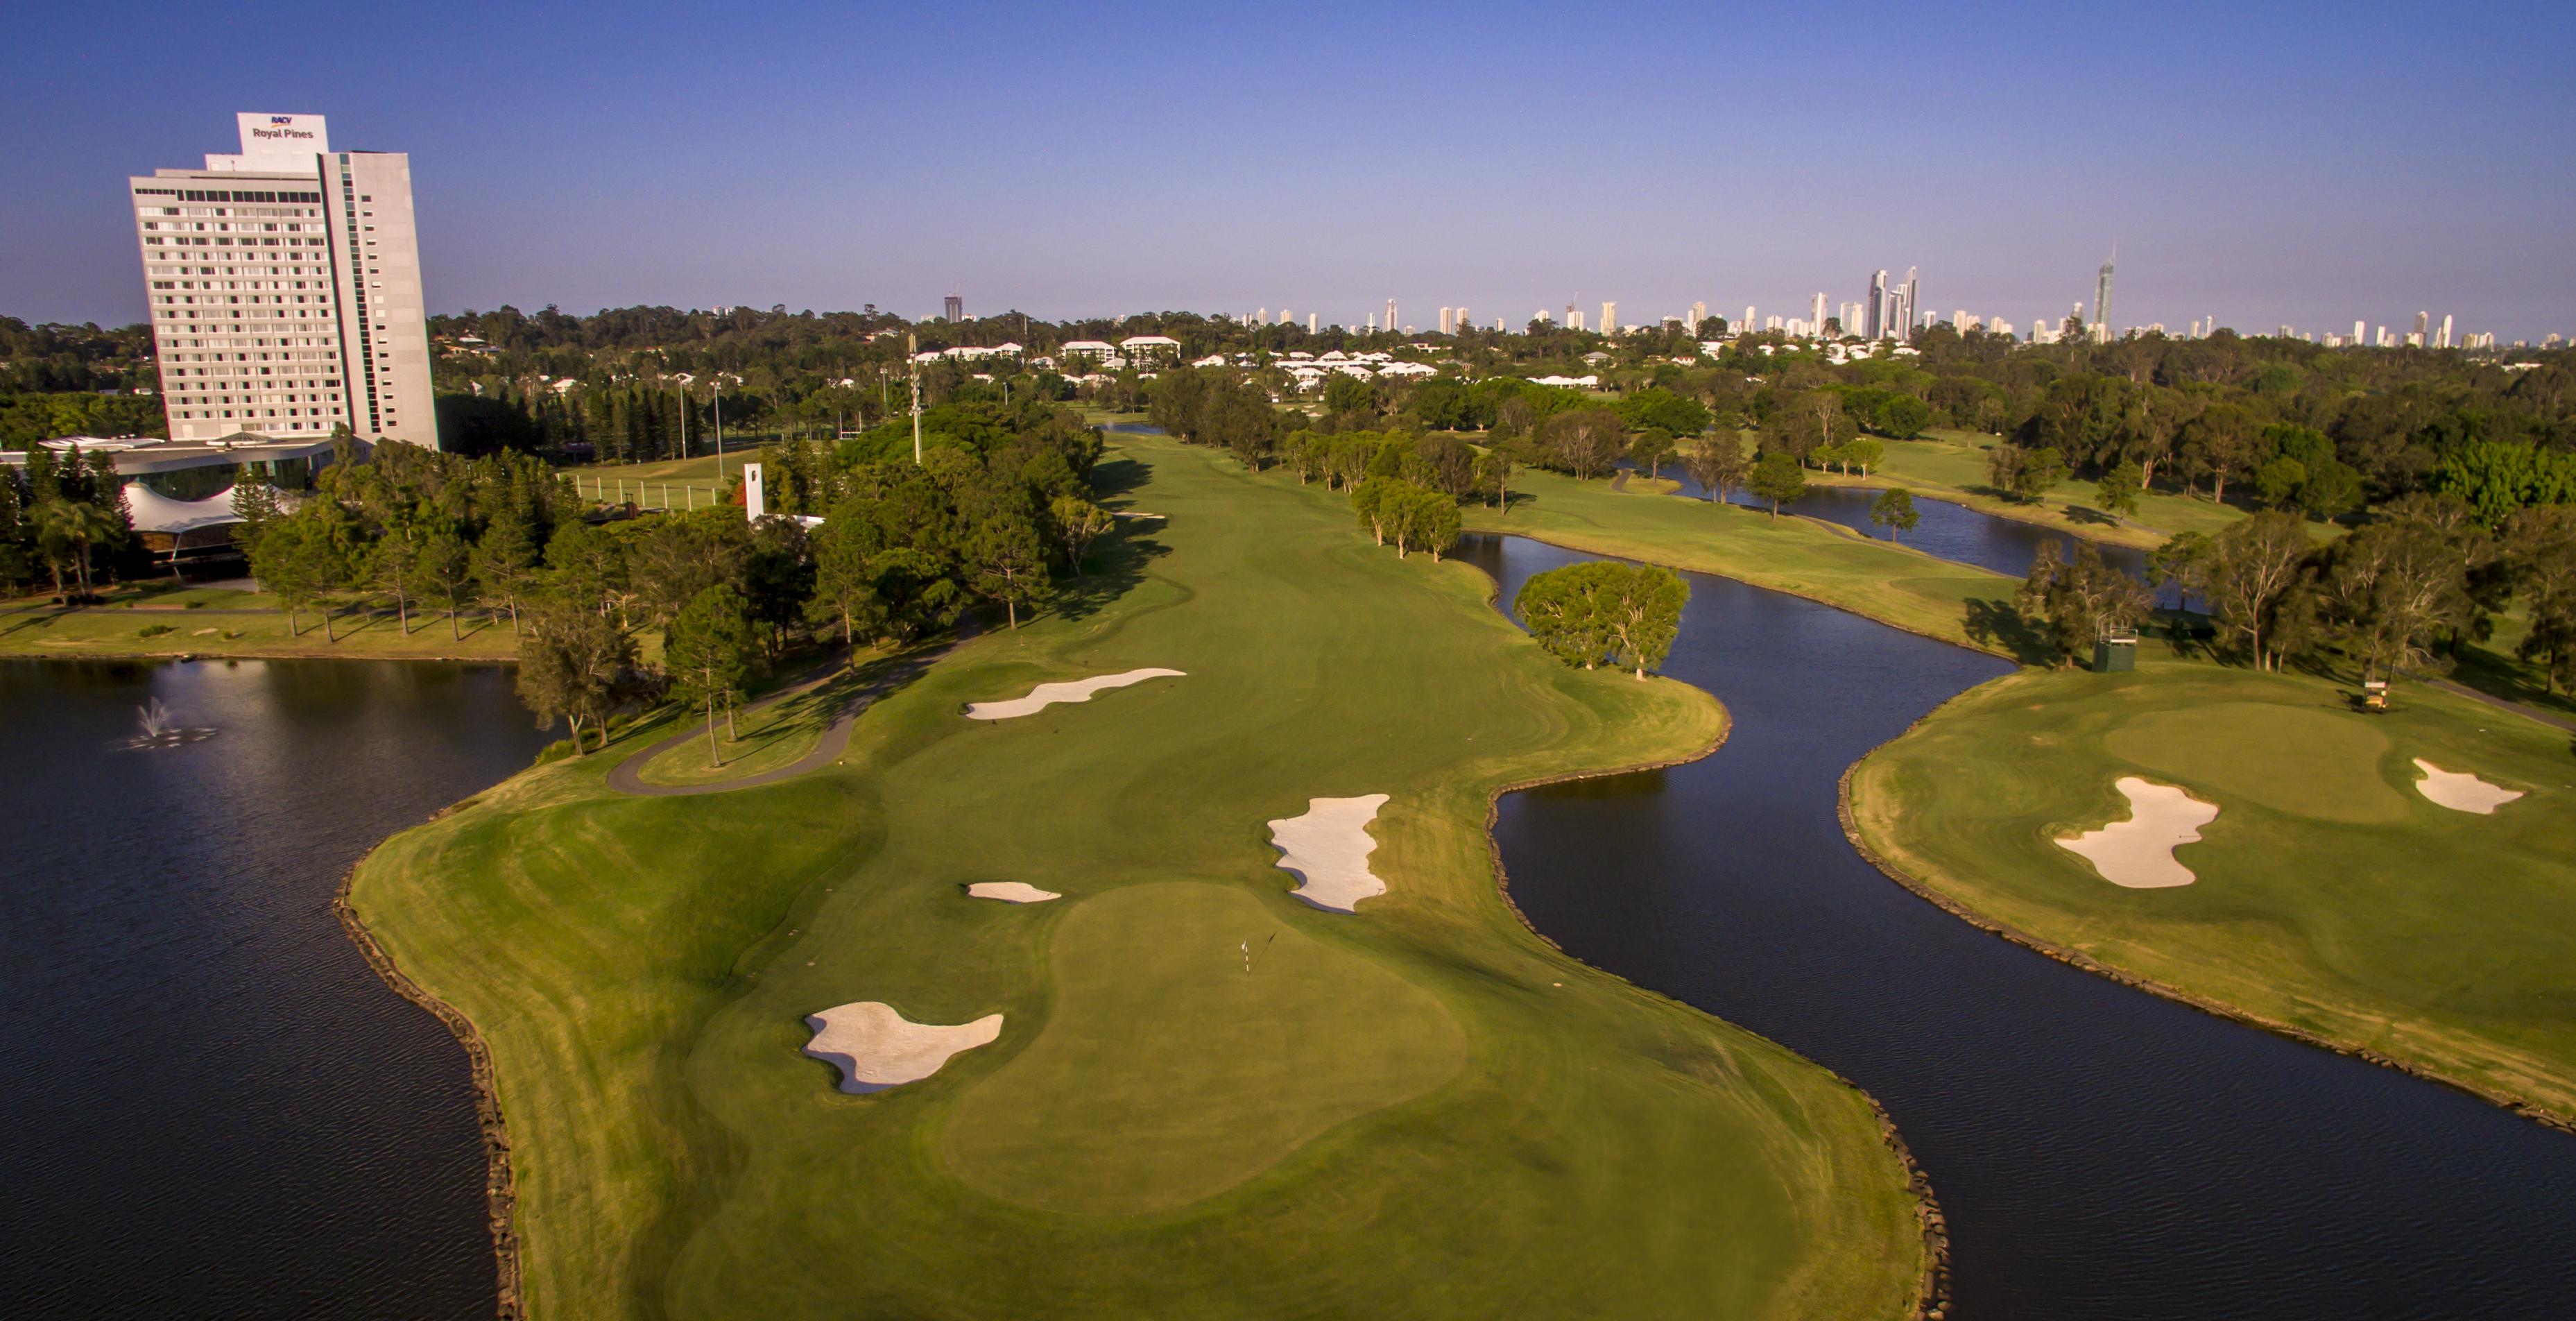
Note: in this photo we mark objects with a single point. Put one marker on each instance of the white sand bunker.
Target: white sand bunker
(2138, 852)
(2461, 791)
(1328, 849)
(1048, 694)
(1011, 892)
(877, 1048)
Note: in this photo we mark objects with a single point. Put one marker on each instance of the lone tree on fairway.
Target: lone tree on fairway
(570, 661)
(1778, 478)
(2119, 489)
(707, 656)
(1602, 610)
(1718, 464)
(1894, 511)
(1078, 523)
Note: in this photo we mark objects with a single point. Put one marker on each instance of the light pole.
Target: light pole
(720, 428)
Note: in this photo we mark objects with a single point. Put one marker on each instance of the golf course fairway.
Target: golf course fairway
(1414, 1109)
(2332, 899)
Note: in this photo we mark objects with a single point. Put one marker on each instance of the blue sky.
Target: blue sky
(2310, 165)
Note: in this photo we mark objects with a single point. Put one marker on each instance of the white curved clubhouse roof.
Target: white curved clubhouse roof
(154, 512)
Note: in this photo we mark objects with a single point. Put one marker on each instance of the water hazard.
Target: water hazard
(2098, 1152)
(213, 1107)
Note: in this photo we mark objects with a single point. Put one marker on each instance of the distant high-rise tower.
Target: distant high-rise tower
(1816, 323)
(348, 347)
(1747, 322)
(1877, 305)
(1699, 313)
(1609, 318)
(1285, 318)
(1310, 323)
(2102, 299)
(2445, 341)
(1390, 314)
(1573, 318)
(2356, 332)
(1913, 288)
(1445, 314)
(956, 310)
(1460, 325)
(2423, 322)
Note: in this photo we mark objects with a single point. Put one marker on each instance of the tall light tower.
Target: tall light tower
(912, 355)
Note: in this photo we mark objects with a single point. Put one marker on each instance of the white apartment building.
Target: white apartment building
(285, 286)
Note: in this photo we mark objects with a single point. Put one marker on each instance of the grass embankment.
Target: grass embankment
(2332, 898)
(1419, 1109)
(765, 735)
(199, 621)
(1805, 556)
(1952, 466)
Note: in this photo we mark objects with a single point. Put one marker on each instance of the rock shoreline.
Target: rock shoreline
(500, 1189)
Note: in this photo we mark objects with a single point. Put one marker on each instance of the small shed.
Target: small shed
(2115, 653)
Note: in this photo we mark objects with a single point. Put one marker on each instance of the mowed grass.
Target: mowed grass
(1805, 556)
(774, 735)
(1418, 1109)
(237, 623)
(2332, 896)
(1279, 1037)
(1951, 465)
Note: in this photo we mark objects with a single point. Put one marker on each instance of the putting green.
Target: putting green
(2303, 760)
(1234, 1072)
(2331, 897)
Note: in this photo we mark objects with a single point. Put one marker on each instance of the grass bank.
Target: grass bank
(2332, 900)
(1951, 466)
(202, 621)
(1419, 1109)
(1808, 557)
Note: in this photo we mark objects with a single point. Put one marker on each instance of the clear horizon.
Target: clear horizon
(2252, 167)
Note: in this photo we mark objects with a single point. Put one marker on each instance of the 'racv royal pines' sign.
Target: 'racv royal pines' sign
(282, 135)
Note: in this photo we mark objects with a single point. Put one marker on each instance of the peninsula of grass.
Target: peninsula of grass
(1417, 1109)
(1952, 466)
(2332, 899)
(1808, 557)
(765, 735)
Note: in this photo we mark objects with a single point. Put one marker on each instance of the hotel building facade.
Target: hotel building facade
(285, 288)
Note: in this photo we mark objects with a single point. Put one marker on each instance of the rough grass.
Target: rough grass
(2332, 897)
(1812, 558)
(1531, 1137)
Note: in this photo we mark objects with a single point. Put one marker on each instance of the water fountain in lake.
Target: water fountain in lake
(161, 729)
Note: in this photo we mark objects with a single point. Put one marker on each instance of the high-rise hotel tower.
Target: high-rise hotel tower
(285, 285)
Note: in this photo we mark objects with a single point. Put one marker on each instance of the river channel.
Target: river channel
(2098, 1152)
(214, 1109)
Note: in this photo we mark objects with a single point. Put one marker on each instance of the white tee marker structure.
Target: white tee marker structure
(1048, 694)
(2461, 791)
(1328, 849)
(877, 1048)
(2138, 853)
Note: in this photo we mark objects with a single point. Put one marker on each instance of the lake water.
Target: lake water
(2098, 1152)
(213, 1108)
(1950, 531)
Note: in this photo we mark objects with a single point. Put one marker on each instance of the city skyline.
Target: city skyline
(598, 192)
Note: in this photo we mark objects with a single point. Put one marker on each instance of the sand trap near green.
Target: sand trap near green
(2139, 852)
(1011, 892)
(2461, 791)
(1166, 1074)
(876, 1048)
(2302, 760)
(1048, 694)
(1327, 849)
